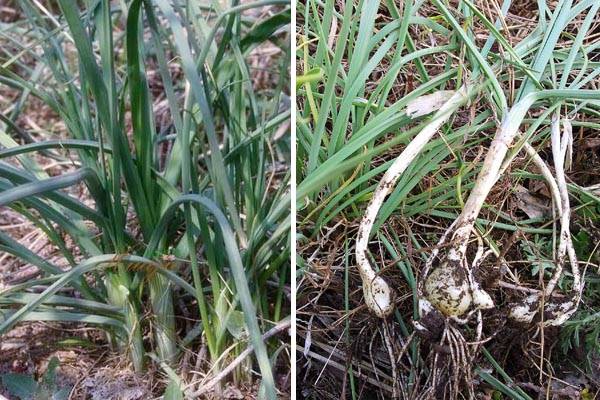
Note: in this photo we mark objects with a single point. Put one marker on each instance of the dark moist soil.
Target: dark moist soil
(327, 333)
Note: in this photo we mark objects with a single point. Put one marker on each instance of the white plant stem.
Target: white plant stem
(545, 171)
(494, 164)
(561, 150)
(490, 171)
(460, 231)
(558, 312)
(488, 176)
(377, 293)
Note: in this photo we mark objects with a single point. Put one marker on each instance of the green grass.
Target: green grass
(209, 191)
(352, 96)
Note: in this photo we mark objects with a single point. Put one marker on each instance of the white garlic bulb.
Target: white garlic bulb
(447, 289)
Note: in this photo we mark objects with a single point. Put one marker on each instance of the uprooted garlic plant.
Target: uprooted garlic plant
(450, 286)
(447, 284)
(479, 100)
(556, 310)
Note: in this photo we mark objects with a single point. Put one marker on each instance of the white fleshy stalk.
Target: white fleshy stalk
(377, 293)
(460, 231)
(556, 313)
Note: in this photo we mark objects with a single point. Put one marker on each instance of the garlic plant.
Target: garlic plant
(558, 310)
(378, 295)
(447, 280)
(378, 64)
